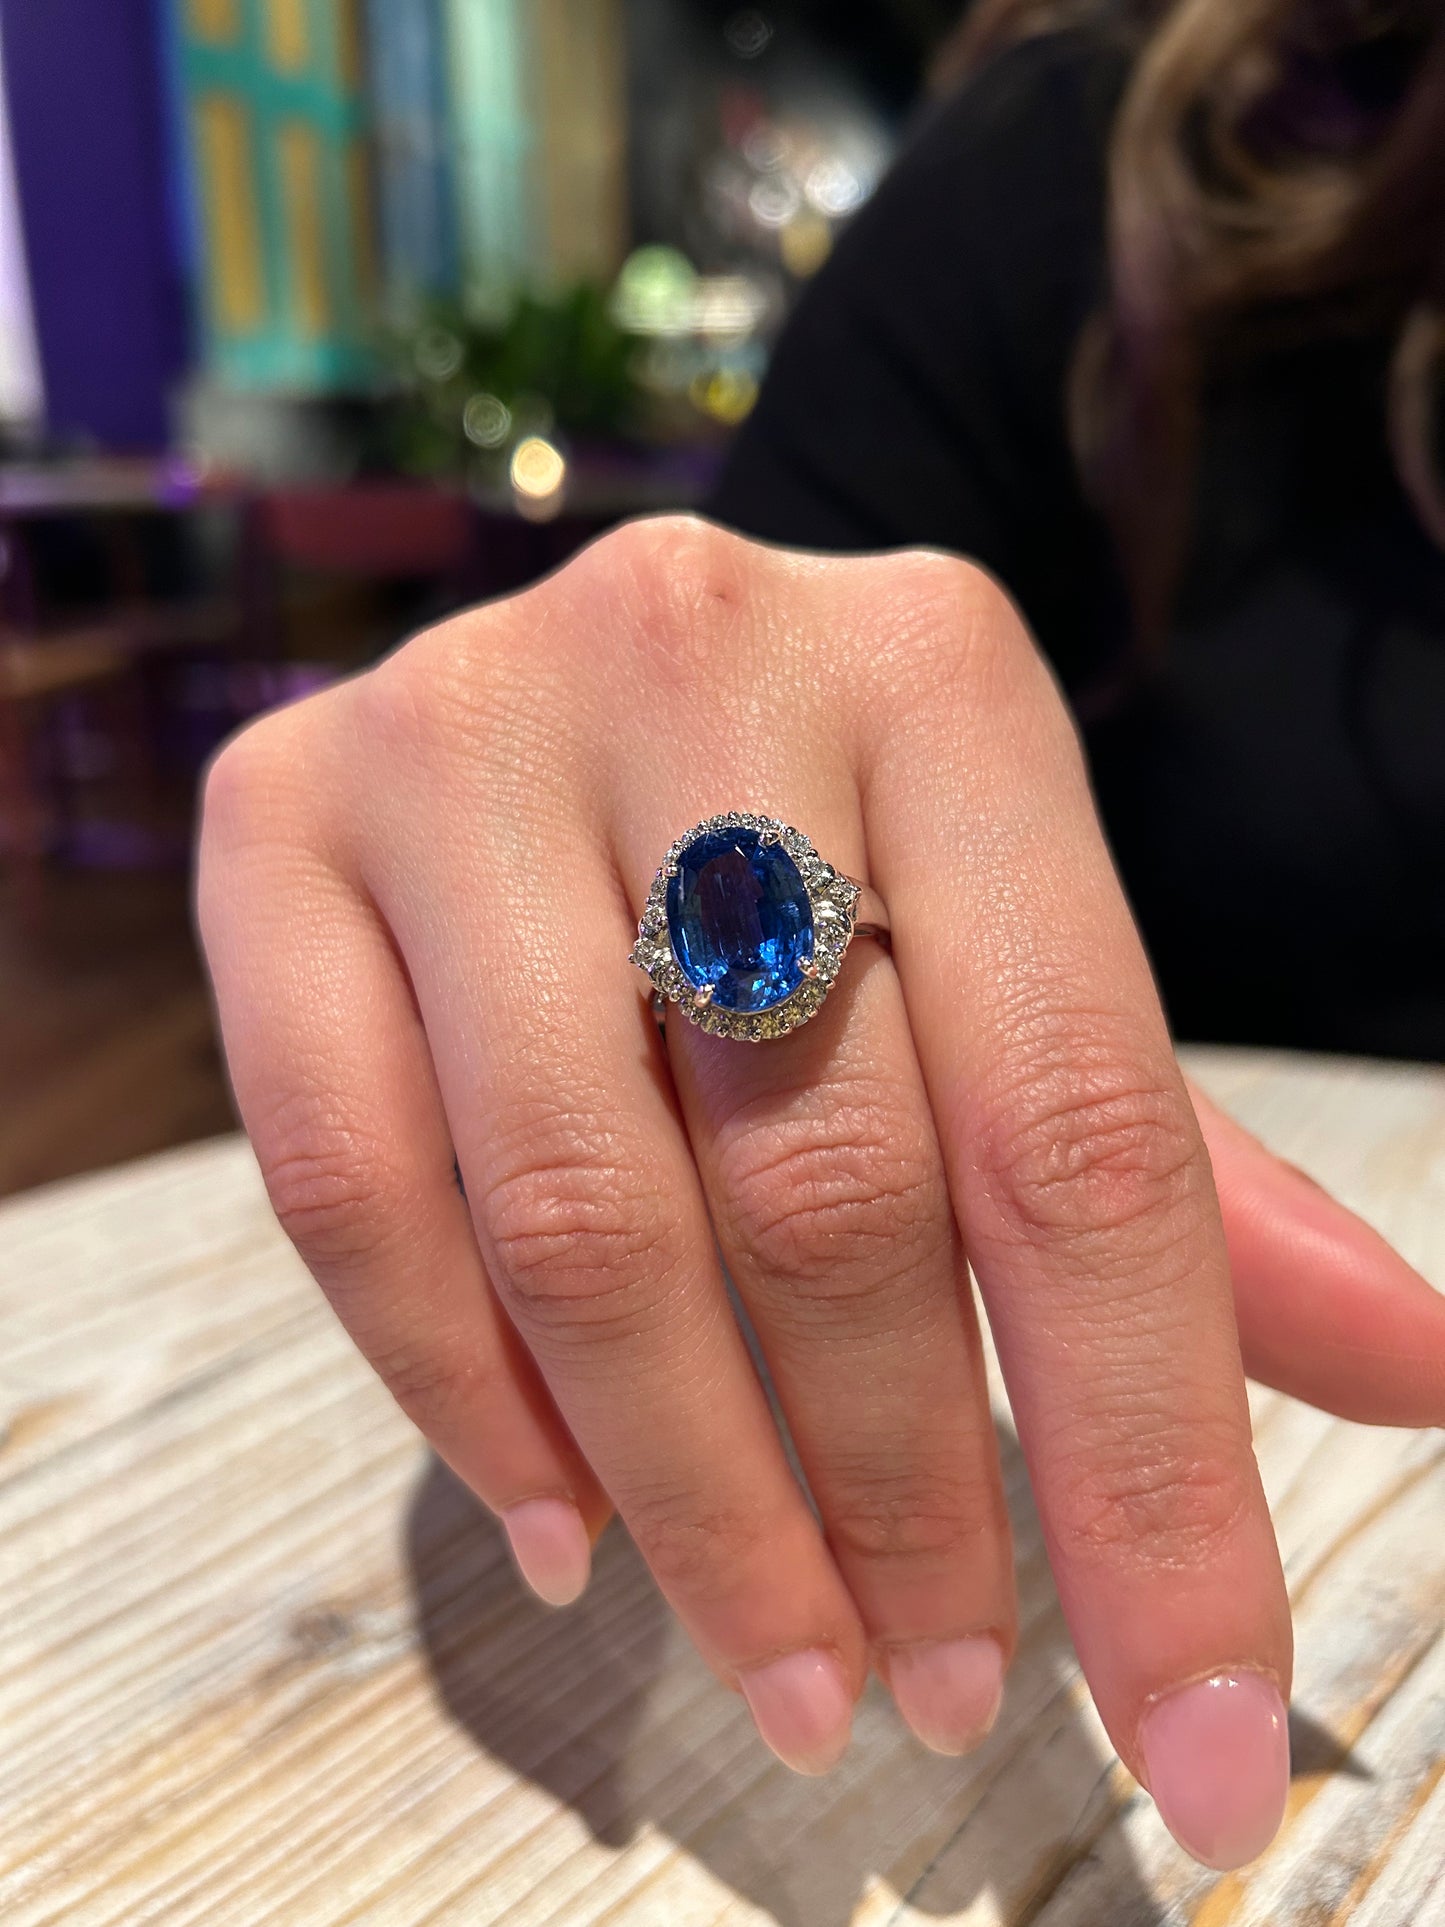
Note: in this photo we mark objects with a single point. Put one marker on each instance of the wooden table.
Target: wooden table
(260, 1661)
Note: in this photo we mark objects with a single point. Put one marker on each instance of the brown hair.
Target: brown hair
(1248, 182)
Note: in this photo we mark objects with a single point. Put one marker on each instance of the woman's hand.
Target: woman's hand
(418, 893)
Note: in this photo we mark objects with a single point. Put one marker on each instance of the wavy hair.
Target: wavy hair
(1276, 169)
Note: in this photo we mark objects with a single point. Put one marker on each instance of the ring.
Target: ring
(745, 927)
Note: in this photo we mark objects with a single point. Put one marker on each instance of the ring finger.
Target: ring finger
(827, 1191)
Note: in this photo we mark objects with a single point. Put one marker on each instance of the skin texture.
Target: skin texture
(417, 893)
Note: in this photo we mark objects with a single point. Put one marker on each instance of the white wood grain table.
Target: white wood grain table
(261, 1662)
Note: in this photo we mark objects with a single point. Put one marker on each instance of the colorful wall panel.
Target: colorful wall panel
(539, 134)
(275, 114)
(412, 133)
(492, 138)
(579, 87)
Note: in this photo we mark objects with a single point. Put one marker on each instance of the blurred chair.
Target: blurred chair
(37, 673)
(87, 621)
(305, 548)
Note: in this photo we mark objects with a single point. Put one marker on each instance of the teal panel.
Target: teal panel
(278, 354)
(493, 141)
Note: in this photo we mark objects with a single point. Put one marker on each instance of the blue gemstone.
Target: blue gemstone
(740, 919)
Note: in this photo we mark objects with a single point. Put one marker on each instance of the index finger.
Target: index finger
(1085, 1194)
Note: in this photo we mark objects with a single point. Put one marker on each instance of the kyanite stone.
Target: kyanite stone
(740, 919)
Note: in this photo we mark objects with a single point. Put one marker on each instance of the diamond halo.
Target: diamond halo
(834, 899)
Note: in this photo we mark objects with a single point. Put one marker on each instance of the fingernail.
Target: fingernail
(1216, 1759)
(802, 1708)
(949, 1690)
(550, 1545)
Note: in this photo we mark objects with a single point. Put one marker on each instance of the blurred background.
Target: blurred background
(319, 318)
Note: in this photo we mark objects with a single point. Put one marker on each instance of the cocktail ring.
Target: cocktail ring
(745, 927)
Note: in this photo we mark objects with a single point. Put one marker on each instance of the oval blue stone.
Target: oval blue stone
(740, 919)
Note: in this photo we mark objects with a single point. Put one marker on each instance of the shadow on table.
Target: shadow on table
(562, 1699)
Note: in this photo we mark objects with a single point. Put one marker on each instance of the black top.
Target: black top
(1275, 790)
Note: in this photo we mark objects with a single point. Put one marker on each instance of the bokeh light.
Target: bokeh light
(487, 421)
(439, 354)
(775, 200)
(834, 188)
(539, 478)
(729, 304)
(727, 395)
(749, 33)
(806, 243)
(655, 292)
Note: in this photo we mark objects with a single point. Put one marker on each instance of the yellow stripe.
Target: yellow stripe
(288, 39)
(238, 287)
(300, 152)
(215, 21)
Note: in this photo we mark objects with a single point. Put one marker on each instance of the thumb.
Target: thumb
(1327, 1311)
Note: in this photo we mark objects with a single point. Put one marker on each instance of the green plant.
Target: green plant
(472, 385)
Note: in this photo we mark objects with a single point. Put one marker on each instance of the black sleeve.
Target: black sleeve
(917, 394)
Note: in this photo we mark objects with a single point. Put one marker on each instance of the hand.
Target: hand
(418, 893)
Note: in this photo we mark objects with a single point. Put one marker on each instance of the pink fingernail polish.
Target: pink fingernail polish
(949, 1691)
(802, 1708)
(1216, 1759)
(550, 1545)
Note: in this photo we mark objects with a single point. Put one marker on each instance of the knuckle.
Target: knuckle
(229, 788)
(680, 582)
(330, 1184)
(471, 716)
(262, 791)
(903, 1520)
(951, 589)
(449, 680)
(951, 621)
(582, 1241)
(698, 1548)
(832, 1203)
(1067, 1153)
(683, 558)
(438, 1392)
(1160, 1495)
(240, 784)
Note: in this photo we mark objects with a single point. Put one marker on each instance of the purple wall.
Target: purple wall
(89, 121)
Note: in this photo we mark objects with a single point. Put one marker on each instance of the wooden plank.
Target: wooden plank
(260, 1661)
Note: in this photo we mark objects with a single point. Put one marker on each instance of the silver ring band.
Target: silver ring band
(871, 918)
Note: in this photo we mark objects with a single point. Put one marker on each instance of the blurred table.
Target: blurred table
(108, 484)
(260, 1661)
